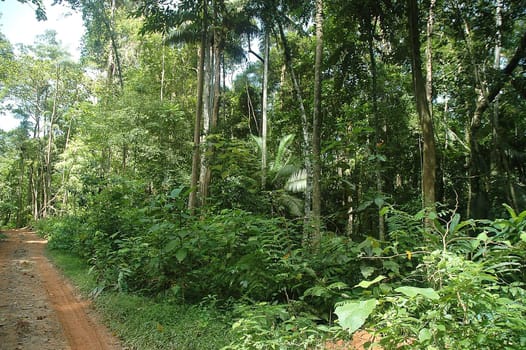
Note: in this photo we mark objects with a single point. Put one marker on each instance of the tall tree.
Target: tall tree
(306, 140)
(317, 123)
(422, 107)
(196, 155)
(264, 107)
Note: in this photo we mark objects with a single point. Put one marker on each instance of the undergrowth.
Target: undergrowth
(144, 323)
(162, 276)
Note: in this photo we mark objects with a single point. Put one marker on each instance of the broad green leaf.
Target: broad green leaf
(510, 210)
(483, 237)
(379, 201)
(170, 246)
(420, 215)
(176, 192)
(316, 291)
(428, 293)
(181, 254)
(367, 271)
(337, 285)
(424, 335)
(367, 284)
(464, 223)
(384, 211)
(352, 315)
(364, 206)
(454, 223)
(523, 236)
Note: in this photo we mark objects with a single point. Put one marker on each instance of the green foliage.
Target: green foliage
(352, 315)
(149, 324)
(144, 323)
(465, 294)
(276, 326)
(63, 233)
(112, 163)
(235, 253)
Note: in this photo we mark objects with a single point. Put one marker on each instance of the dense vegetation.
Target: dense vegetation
(305, 168)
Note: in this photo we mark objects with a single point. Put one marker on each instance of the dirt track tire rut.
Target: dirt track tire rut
(38, 308)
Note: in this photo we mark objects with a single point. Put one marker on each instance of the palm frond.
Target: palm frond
(297, 182)
(285, 172)
(279, 160)
(258, 140)
(293, 204)
(187, 32)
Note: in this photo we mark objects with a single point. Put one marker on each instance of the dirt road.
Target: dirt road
(38, 308)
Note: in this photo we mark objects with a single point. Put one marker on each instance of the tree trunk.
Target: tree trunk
(316, 126)
(204, 176)
(422, 107)
(305, 129)
(429, 55)
(163, 65)
(20, 210)
(113, 40)
(477, 170)
(192, 200)
(47, 175)
(379, 128)
(264, 118)
(65, 173)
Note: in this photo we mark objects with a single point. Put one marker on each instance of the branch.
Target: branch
(257, 56)
(395, 255)
(484, 103)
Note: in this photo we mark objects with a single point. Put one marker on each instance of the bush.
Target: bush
(465, 295)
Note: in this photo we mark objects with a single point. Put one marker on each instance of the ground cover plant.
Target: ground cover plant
(460, 286)
(148, 323)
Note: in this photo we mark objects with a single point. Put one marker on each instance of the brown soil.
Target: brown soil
(38, 308)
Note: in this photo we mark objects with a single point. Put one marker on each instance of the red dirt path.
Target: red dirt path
(38, 308)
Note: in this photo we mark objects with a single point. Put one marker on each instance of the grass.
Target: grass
(145, 323)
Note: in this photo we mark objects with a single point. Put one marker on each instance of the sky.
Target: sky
(19, 24)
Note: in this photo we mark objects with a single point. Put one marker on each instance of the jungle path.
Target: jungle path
(38, 308)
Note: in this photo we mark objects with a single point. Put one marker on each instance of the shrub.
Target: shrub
(465, 295)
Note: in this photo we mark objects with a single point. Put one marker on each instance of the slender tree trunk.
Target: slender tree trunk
(163, 65)
(316, 126)
(20, 210)
(216, 102)
(213, 99)
(33, 186)
(422, 107)
(192, 200)
(500, 159)
(47, 175)
(65, 173)
(305, 128)
(204, 175)
(379, 128)
(264, 117)
(429, 55)
(113, 40)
